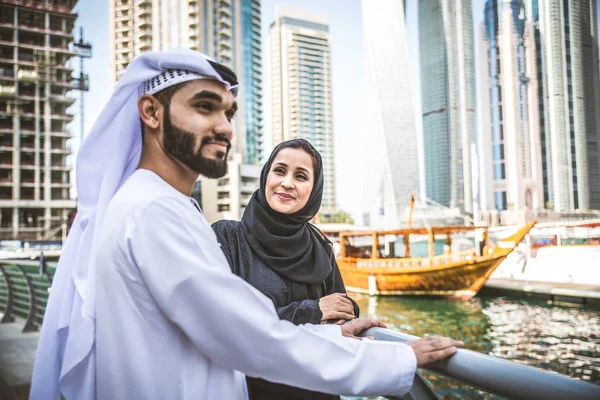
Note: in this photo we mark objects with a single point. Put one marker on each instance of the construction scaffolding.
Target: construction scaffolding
(35, 100)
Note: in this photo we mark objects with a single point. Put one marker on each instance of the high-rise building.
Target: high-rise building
(566, 52)
(447, 55)
(226, 30)
(484, 136)
(513, 90)
(35, 78)
(391, 148)
(228, 197)
(300, 60)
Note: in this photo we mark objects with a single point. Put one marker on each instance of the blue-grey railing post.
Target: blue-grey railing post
(420, 390)
(30, 322)
(501, 377)
(8, 317)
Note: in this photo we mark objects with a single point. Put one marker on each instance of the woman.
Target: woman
(277, 250)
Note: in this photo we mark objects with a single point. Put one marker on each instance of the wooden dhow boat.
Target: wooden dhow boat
(377, 270)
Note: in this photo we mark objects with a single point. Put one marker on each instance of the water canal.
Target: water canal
(560, 338)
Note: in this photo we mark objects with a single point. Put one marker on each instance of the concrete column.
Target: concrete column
(15, 222)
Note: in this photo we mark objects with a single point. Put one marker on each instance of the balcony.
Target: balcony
(123, 39)
(62, 168)
(6, 182)
(63, 99)
(224, 33)
(62, 33)
(143, 23)
(30, 28)
(224, 21)
(123, 18)
(61, 150)
(226, 12)
(145, 46)
(143, 11)
(7, 90)
(224, 201)
(8, 42)
(27, 75)
(122, 7)
(62, 117)
(61, 134)
(123, 28)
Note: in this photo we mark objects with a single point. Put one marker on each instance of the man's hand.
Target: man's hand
(336, 306)
(433, 348)
(356, 326)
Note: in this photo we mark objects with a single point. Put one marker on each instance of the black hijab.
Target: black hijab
(288, 243)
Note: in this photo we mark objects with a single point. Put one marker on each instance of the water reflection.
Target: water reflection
(553, 337)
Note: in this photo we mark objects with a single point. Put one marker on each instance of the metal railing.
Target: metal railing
(24, 291)
(24, 288)
(495, 375)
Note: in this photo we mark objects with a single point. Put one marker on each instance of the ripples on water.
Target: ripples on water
(553, 337)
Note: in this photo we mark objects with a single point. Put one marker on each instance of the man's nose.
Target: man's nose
(224, 127)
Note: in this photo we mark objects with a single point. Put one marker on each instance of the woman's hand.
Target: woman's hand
(336, 306)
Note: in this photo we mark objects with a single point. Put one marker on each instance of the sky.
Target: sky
(350, 128)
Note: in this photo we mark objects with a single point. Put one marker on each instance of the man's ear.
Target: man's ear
(150, 111)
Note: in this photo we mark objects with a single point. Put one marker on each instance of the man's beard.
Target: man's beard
(180, 144)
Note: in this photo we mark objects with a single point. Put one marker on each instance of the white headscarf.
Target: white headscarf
(65, 359)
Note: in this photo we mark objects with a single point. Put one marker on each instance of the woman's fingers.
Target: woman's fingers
(338, 315)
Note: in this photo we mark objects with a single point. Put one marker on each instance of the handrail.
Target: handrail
(18, 276)
(500, 377)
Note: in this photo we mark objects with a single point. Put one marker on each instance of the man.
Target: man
(144, 305)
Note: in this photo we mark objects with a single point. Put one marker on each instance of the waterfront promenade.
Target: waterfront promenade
(17, 352)
(529, 331)
(570, 293)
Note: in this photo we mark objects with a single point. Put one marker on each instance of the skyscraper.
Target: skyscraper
(35, 79)
(484, 137)
(566, 51)
(391, 148)
(448, 99)
(300, 59)
(513, 95)
(227, 30)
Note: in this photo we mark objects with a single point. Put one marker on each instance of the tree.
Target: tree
(340, 217)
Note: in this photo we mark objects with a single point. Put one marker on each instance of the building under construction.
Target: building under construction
(35, 84)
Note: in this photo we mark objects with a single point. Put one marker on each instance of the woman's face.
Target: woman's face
(290, 180)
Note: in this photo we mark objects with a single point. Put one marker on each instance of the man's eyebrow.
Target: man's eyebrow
(207, 94)
(210, 95)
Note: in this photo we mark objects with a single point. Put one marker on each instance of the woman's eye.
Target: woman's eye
(279, 171)
(301, 177)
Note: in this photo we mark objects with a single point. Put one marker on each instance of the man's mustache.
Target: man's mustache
(215, 138)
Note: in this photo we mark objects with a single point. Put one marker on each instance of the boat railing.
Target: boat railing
(493, 375)
(24, 288)
(444, 259)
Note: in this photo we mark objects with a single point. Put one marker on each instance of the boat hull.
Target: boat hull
(461, 280)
